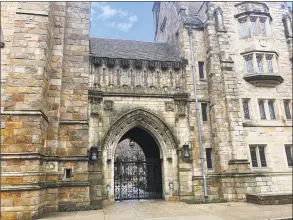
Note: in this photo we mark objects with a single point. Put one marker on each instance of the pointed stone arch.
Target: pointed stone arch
(162, 134)
(146, 120)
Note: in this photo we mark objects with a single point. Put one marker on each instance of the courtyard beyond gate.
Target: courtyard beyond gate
(164, 210)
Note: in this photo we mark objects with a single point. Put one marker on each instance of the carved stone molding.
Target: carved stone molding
(139, 118)
(169, 106)
(52, 166)
(95, 105)
(181, 108)
(108, 105)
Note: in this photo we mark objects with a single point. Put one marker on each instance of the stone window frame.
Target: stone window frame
(203, 69)
(211, 159)
(245, 26)
(267, 108)
(287, 156)
(248, 100)
(257, 148)
(206, 111)
(266, 66)
(289, 102)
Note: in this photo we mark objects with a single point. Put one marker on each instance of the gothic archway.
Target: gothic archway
(160, 132)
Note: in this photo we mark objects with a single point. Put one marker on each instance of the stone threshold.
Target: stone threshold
(43, 185)
(38, 156)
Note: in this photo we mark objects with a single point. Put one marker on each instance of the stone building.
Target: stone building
(69, 101)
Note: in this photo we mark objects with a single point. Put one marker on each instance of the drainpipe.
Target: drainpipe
(197, 114)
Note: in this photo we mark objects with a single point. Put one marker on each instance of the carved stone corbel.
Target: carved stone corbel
(152, 65)
(110, 62)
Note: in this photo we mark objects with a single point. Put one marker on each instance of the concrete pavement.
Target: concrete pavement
(163, 210)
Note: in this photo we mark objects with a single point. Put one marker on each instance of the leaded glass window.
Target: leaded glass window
(272, 109)
(262, 109)
(258, 156)
(253, 26)
(253, 156)
(201, 70)
(209, 158)
(246, 109)
(262, 155)
(262, 22)
(259, 62)
(269, 59)
(249, 64)
(288, 150)
(244, 31)
(204, 111)
(287, 109)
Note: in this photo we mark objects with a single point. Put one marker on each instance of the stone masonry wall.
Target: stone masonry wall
(207, 47)
(44, 84)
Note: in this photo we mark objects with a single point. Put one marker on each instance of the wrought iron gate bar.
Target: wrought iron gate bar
(137, 179)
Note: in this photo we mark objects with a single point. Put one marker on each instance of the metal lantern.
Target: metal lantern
(93, 154)
(131, 143)
(186, 153)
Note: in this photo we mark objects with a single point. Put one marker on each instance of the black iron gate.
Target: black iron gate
(137, 179)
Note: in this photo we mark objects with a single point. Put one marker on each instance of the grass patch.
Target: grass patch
(80, 208)
(204, 201)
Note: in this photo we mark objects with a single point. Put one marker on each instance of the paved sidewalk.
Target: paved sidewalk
(163, 210)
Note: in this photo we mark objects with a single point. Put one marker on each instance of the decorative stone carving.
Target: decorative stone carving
(108, 105)
(110, 62)
(164, 65)
(169, 106)
(144, 119)
(181, 108)
(125, 63)
(138, 64)
(152, 64)
(52, 166)
(95, 106)
(177, 65)
(97, 61)
(219, 19)
(287, 21)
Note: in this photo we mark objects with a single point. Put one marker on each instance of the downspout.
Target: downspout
(197, 114)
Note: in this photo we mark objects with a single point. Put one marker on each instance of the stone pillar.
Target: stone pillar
(28, 30)
(226, 121)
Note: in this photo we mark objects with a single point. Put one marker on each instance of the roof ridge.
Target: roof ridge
(129, 40)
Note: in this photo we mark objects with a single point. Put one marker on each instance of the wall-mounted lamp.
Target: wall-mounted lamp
(131, 143)
(93, 154)
(186, 152)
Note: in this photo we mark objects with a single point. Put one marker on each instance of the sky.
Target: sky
(124, 20)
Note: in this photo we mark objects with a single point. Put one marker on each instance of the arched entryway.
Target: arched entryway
(157, 142)
(137, 167)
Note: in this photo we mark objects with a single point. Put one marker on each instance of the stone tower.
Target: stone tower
(44, 106)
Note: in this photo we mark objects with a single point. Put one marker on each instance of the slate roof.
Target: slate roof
(130, 49)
